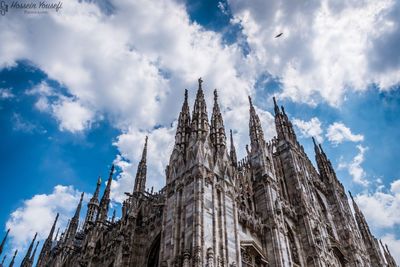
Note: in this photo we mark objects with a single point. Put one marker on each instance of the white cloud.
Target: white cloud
(38, 213)
(311, 128)
(42, 104)
(42, 89)
(72, 116)
(382, 209)
(327, 47)
(119, 69)
(6, 93)
(395, 187)
(355, 169)
(337, 133)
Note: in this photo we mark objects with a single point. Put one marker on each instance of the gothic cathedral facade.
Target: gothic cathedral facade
(272, 208)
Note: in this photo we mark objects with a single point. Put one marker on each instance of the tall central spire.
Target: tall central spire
(256, 131)
(140, 181)
(105, 200)
(200, 124)
(217, 135)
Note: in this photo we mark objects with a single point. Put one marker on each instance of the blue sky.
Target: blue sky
(80, 88)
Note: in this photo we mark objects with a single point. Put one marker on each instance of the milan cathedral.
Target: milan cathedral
(272, 208)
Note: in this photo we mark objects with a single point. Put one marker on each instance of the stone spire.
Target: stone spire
(316, 148)
(56, 237)
(140, 180)
(13, 258)
(73, 224)
(388, 256)
(233, 151)
(32, 259)
(324, 164)
(93, 206)
(95, 197)
(217, 133)
(360, 219)
(4, 241)
(113, 217)
(25, 261)
(256, 131)
(370, 241)
(105, 200)
(44, 253)
(284, 127)
(199, 122)
(276, 108)
(64, 233)
(183, 129)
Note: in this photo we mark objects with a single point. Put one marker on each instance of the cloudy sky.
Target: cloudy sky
(80, 88)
